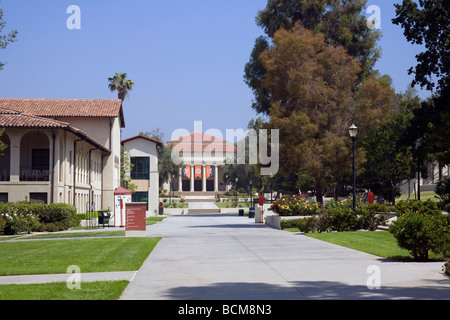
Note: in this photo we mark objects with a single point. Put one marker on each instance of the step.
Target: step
(203, 211)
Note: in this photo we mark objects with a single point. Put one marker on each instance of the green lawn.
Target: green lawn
(90, 255)
(425, 195)
(379, 243)
(106, 290)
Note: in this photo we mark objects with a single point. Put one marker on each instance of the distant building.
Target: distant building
(61, 151)
(143, 153)
(203, 157)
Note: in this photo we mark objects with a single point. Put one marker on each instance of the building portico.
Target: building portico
(203, 157)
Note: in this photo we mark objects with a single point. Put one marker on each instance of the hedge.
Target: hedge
(17, 218)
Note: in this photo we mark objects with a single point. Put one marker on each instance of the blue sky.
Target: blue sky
(186, 57)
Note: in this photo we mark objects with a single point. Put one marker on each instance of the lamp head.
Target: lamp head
(353, 131)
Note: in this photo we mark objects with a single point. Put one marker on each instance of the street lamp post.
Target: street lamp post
(236, 191)
(251, 193)
(418, 145)
(353, 132)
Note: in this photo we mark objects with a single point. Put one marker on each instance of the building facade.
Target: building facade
(61, 151)
(143, 154)
(202, 158)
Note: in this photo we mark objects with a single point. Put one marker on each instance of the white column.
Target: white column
(216, 179)
(192, 178)
(180, 180)
(204, 178)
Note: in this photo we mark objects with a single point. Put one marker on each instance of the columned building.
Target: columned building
(203, 157)
(61, 151)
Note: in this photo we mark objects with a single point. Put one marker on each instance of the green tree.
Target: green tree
(166, 167)
(342, 22)
(427, 22)
(7, 38)
(311, 87)
(125, 169)
(121, 84)
(388, 162)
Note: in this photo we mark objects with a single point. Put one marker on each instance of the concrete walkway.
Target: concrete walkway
(226, 257)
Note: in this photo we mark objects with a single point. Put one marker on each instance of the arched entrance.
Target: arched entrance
(5, 158)
(34, 157)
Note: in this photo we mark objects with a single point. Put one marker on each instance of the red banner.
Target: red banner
(198, 172)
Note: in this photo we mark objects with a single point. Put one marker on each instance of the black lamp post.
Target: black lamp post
(418, 145)
(353, 132)
(251, 193)
(236, 191)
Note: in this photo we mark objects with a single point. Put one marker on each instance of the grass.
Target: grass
(425, 195)
(379, 243)
(154, 220)
(90, 255)
(105, 290)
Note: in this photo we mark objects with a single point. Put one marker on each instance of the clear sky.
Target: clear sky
(186, 57)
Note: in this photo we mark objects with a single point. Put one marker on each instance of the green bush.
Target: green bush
(372, 216)
(291, 223)
(28, 217)
(421, 227)
(443, 191)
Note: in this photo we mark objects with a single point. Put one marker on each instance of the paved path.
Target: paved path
(231, 258)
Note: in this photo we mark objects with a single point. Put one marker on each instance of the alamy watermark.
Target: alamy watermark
(374, 280)
(210, 152)
(74, 280)
(374, 21)
(74, 20)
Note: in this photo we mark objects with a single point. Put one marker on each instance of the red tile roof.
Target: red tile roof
(159, 143)
(97, 108)
(14, 119)
(201, 142)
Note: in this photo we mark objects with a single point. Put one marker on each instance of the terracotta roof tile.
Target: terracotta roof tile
(14, 119)
(97, 108)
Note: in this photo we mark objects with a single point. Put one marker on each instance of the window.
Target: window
(140, 197)
(41, 159)
(3, 197)
(141, 168)
(38, 197)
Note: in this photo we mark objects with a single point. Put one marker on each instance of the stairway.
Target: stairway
(202, 205)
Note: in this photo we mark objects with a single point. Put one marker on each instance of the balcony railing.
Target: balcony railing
(4, 173)
(30, 174)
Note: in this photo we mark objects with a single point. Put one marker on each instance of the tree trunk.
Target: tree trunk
(319, 191)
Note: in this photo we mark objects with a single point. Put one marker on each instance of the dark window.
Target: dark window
(41, 159)
(140, 197)
(3, 197)
(141, 168)
(38, 197)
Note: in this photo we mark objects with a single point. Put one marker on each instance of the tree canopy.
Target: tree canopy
(313, 102)
(341, 22)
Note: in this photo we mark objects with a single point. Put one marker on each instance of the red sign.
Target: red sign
(371, 198)
(261, 200)
(136, 217)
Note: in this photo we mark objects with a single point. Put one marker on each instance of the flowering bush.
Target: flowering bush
(291, 206)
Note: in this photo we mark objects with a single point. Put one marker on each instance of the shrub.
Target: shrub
(308, 225)
(291, 206)
(291, 223)
(341, 219)
(447, 267)
(372, 216)
(443, 191)
(421, 227)
(422, 207)
(27, 217)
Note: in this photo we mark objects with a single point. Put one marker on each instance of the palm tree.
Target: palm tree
(120, 83)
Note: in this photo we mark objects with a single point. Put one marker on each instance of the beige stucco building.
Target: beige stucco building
(143, 153)
(61, 151)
